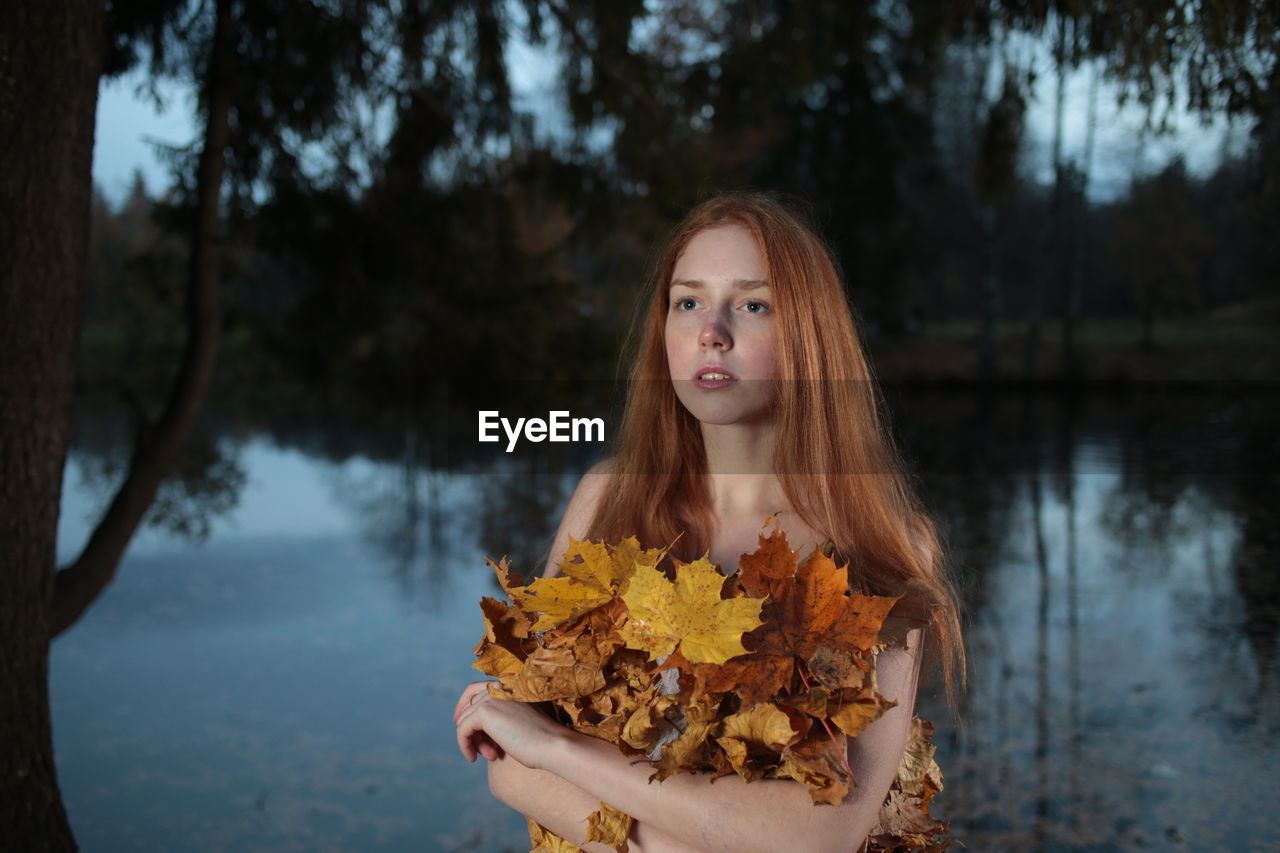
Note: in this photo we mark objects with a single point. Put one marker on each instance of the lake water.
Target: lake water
(287, 684)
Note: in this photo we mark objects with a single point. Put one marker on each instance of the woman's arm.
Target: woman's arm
(766, 815)
(729, 814)
(578, 514)
(564, 808)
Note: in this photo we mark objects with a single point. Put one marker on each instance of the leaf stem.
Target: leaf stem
(844, 754)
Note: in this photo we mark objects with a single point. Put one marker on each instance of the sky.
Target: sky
(126, 124)
(1121, 147)
(129, 125)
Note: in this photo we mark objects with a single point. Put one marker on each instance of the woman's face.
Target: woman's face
(720, 333)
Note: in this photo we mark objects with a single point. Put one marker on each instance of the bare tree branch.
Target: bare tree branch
(78, 585)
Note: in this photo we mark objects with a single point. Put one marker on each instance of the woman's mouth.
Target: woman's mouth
(711, 378)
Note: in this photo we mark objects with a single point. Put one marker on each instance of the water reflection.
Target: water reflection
(205, 484)
(519, 514)
(1103, 637)
(402, 509)
(288, 683)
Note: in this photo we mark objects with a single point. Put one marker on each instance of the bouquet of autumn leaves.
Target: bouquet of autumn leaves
(765, 674)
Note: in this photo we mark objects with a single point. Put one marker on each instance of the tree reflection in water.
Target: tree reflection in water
(1116, 556)
(1105, 634)
(205, 483)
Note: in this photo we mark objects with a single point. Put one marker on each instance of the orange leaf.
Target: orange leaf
(807, 610)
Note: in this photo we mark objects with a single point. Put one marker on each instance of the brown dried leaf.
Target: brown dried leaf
(494, 660)
(904, 824)
(918, 774)
(765, 725)
(506, 642)
(508, 580)
(819, 762)
(691, 750)
(647, 723)
(735, 751)
(752, 739)
(546, 841)
(609, 728)
(593, 637)
(505, 624)
(835, 669)
(770, 567)
(858, 709)
(554, 674)
(609, 826)
(900, 815)
(816, 702)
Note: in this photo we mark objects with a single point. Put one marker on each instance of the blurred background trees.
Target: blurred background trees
(391, 210)
(372, 223)
(368, 214)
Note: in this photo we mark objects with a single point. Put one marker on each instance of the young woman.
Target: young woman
(750, 396)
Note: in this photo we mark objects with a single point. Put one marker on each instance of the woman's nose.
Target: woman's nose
(714, 335)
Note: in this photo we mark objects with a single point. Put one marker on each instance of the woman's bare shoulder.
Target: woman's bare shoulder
(592, 485)
(582, 507)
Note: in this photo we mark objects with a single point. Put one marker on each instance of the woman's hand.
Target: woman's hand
(491, 727)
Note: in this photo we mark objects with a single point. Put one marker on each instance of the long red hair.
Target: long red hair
(833, 455)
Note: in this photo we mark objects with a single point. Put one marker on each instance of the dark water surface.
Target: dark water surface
(287, 684)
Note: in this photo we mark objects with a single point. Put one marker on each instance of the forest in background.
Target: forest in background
(384, 224)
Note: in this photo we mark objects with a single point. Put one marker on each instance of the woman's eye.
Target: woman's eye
(756, 307)
(688, 303)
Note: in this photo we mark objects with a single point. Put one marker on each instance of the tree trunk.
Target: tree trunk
(988, 343)
(1046, 266)
(1079, 220)
(79, 584)
(50, 59)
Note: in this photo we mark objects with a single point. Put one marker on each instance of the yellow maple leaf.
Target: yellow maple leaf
(608, 566)
(592, 574)
(689, 614)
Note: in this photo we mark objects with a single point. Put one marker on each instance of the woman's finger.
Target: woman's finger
(487, 747)
(481, 741)
(470, 730)
(468, 696)
(464, 698)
